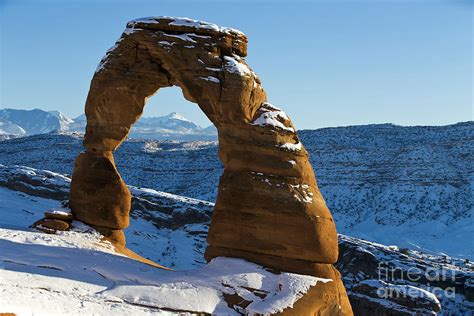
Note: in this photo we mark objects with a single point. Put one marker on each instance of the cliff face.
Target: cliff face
(269, 209)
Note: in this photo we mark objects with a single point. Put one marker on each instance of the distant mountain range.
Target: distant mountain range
(32, 122)
(20, 123)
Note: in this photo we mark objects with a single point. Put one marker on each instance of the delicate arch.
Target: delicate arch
(269, 209)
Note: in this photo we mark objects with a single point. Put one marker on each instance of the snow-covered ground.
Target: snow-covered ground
(76, 273)
(172, 230)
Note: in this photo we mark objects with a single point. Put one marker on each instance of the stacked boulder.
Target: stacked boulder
(269, 209)
(54, 220)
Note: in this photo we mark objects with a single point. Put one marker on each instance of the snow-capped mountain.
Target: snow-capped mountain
(171, 126)
(35, 121)
(170, 122)
(9, 128)
(20, 123)
(81, 119)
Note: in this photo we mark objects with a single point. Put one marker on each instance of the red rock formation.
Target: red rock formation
(269, 209)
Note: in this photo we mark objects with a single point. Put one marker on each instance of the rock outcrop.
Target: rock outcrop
(54, 220)
(388, 281)
(269, 209)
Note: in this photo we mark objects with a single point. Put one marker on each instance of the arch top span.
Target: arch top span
(205, 60)
(269, 209)
(230, 40)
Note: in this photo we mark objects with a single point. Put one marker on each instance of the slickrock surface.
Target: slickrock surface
(269, 209)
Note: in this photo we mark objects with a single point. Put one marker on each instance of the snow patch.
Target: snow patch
(56, 211)
(184, 37)
(183, 21)
(292, 147)
(200, 290)
(233, 65)
(212, 68)
(166, 43)
(406, 290)
(210, 78)
(272, 116)
(304, 193)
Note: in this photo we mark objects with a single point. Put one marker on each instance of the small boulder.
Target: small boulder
(58, 214)
(50, 226)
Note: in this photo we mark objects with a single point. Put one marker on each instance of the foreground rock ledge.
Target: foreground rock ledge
(269, 209)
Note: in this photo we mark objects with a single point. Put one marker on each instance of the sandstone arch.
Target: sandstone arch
(269, 209)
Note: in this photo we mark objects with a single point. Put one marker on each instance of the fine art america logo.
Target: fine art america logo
(430, 277)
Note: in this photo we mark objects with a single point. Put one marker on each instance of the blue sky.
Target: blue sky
(326, 63)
